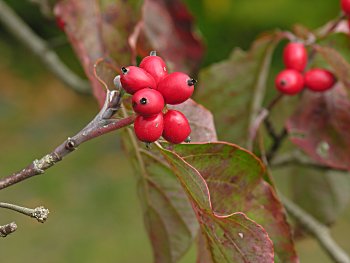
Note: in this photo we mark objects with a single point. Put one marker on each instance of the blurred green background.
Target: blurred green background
(95, 214)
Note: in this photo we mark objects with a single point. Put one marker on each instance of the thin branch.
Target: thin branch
(7, 229)
(270, 129)
(296, 158)
(263, 116)
(317, 230)
(19, 29)
(40, 213)
(277, 142)
(100, 125)
(259, 93)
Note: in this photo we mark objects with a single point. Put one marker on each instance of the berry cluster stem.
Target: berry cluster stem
(101, 124)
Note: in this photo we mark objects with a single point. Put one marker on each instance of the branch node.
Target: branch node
(41, 214)
(70, 144)
(7, 229)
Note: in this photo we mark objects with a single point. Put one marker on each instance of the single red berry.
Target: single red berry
(60, 23)
(176, 87)
(176, 127)
(295, 56)
(149, 129)
(345, 6)
(135, 78)
(155, 66)
(289, 81)
(147, 102)
(319, 79)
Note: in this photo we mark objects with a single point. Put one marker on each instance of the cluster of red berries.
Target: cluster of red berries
(291, 80)
(152, 88)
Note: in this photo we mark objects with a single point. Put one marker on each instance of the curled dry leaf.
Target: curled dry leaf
(105, 71)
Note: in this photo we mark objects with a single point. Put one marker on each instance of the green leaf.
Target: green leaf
(234, 181)
(234, 89)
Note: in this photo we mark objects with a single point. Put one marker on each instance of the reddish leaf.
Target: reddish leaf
(201, 121)
(167, 27)
(168, 215)
(97, 29)
(235, 181)
(231, 237)
(234, 89)
(320, 127)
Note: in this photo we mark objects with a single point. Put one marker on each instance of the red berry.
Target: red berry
(60, 23)
(319, 79)
(176, 127)
(147, 102)
(155, 66)
(295, 56)
(149, 129)
(345, 6)
(135, 78)
(289, 81)
(176, 88)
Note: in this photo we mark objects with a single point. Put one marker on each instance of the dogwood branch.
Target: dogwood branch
(19, 29)
(7, 229)
(317, 230)
(101, 124)
(299, 159)
(40, 213)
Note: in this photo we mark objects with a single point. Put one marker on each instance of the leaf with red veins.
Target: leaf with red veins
(168, 28)
(168, 215)
(235, 181)
(99, 29)
(200, 119)
(223, 182)
(320, 126)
